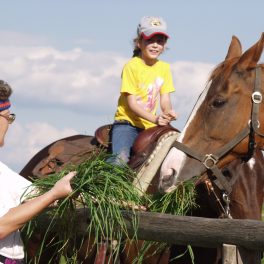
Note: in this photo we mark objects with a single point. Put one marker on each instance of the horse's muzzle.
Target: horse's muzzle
(167, 182)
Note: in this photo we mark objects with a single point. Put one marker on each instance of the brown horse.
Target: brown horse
(226, 124)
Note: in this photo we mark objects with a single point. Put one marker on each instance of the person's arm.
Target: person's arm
(16, 217)
(166, 107)
(162, 119)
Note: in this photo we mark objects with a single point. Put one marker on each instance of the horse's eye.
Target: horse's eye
(218, 102)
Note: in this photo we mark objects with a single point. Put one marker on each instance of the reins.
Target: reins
(210, 160)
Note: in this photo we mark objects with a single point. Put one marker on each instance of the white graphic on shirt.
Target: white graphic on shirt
(153, 91)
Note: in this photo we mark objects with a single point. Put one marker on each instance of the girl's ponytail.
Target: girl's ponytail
(137, 50)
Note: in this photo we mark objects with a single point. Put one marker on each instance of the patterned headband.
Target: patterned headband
(5, 104)
(5, 92)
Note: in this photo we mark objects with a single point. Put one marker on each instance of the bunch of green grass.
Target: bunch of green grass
(178, 202)
(104, 190)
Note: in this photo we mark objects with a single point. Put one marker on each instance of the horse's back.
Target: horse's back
(87, 141)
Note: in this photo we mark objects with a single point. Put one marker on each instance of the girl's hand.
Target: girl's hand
(162, 120)
(171, 115)
(165, 118)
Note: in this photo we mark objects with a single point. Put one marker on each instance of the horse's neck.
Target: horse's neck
(247, 194)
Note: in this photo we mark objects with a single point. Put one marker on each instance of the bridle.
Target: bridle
(210, 160)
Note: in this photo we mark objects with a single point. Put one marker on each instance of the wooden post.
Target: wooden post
(230, 255)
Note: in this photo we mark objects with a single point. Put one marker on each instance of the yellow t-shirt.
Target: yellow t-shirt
(147, 83)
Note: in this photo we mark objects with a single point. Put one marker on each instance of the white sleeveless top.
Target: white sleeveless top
(12, 187)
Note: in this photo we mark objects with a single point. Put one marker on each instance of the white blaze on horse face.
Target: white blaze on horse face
(176, 159)
(251, 163)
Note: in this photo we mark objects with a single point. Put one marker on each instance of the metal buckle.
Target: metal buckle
(209, 161)
(226, 199)
(256, 97)
(256, 124)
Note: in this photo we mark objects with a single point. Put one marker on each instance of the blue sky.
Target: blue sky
(64, 59)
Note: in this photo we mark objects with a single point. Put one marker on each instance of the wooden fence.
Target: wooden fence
(187, 230)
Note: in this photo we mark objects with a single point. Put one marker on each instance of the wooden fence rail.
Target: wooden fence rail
(186, 230)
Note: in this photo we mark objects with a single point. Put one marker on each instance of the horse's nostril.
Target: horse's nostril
(173, 173)
(167, 181)
(166, 178)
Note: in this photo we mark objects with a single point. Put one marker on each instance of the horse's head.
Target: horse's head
(220, 123)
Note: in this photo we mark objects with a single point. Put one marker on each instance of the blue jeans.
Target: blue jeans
(123, 136)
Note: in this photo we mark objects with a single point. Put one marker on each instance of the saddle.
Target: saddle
(146, 142)
(143, 145)
(102, 135)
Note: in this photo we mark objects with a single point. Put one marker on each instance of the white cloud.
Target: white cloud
(76, 78)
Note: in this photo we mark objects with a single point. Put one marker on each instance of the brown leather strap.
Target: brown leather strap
(257, 98)
(210, 160)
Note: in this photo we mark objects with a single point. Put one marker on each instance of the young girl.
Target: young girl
(145, 80)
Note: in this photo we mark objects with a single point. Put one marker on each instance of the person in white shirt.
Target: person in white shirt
(13, 213)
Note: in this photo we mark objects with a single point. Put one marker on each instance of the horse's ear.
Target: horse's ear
(251, 57)
(235, 49)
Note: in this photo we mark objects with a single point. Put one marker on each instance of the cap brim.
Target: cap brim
(153, 34)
